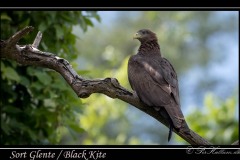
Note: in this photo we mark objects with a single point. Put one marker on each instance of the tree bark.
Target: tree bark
(30, 55)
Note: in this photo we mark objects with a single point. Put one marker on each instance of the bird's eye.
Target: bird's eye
(143, 32)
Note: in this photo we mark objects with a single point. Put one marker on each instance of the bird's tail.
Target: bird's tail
(170, 131)
(166, 117)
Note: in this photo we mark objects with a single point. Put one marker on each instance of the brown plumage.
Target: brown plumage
(155, 81)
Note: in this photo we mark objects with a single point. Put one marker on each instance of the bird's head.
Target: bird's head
(145, 35)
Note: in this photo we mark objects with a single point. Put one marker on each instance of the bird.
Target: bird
(155, 82)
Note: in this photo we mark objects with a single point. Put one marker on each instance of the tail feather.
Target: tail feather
(170, 132)
(164, 113)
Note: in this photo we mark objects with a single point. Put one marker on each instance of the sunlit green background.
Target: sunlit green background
(38, 107)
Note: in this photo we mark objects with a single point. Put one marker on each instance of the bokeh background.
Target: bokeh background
(38, 107)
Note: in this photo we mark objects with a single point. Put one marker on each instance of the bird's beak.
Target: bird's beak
(136, 36)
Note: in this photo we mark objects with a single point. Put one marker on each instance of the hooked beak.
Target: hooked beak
(137, 36)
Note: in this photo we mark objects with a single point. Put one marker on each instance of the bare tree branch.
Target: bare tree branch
(17, 36)
(37, 40)
(236, 142)
(30, 55)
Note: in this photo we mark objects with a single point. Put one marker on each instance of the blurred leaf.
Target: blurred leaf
(76, 127)
(59, 31)
(11, 110)
(5, 127)
(4, 16)
(43, 77)
(66, 18)
(42, 27)
(50, 103)
(88, 21)
(83, 24)
(11, 74)
(98, 17)
(24, 81)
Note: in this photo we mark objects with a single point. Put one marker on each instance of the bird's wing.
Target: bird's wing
(163, 73)
(155, 87)
(170, 76)
(150, 92)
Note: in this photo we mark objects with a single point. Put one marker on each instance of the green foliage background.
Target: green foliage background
(215, 120)
(38, 107)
